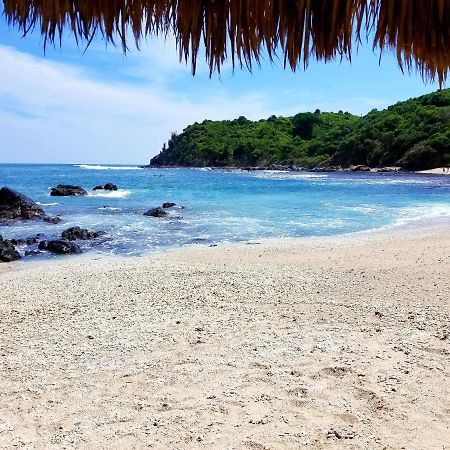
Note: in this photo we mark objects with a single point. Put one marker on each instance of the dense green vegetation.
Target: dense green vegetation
(414, 134)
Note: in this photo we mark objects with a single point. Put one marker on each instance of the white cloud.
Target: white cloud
(58, 113)
(106, 107)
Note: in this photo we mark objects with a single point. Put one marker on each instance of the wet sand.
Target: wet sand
(307, 343)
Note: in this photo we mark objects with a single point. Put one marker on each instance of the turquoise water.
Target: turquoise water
(223, 205)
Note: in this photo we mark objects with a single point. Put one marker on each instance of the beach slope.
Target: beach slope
(316, 343)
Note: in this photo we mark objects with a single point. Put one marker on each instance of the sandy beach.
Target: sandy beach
(308, 343)
(437, 171)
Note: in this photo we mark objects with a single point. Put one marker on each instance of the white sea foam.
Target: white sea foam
(287, 175)
(422, 213)
(121, 193)
(97, 167)
(385, 180)
(360, 208)
(47, 204)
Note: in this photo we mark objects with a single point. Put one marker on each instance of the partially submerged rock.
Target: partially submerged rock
(52, 220)
(65, 245)
(16, 206)
(168, 205)
(387, 169)
(359, 168)
(106, 187)
(8, 252)
(66, 190)
(156, 212)
(27, 241)
(78, 233)
(326, 169)
(60, 247)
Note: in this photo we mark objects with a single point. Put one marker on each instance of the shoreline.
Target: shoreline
(134, 236)
(324, 342)
(286, 168)
(421, 226)
(279, 167)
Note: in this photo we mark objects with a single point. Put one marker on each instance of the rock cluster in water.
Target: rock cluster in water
(106, 187)
(66, 245)
(67, 190)
(356, 168)
(59, 247)
(27, 241)
(160, 211)
(156, 212)
(82, 234)
(52, 220)
(16, 206)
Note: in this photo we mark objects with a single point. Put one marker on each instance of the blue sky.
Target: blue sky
(99, 106)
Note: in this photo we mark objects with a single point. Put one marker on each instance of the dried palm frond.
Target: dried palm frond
(417, 30)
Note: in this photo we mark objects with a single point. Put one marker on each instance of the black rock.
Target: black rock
(169, 205)
(8, 252)
(326, 169)
(43, 245)
(387, 169)
(156, 212)
(32, 252)
(106, 187)
(66, 190)
(16, 206)
(53, 220)
(75, 233)
(17, 241)
(27, 241)
(359, 168)
(34, 239)
(278, 167)
(60, 247)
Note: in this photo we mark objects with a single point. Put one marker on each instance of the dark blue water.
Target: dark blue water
(222, 205)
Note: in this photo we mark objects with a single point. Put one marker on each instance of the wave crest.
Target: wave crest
(121, 193)
(98, 167)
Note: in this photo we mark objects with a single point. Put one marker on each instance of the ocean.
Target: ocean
(216, 206)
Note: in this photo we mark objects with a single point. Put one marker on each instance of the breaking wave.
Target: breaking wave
(121, 193)
(97, 167)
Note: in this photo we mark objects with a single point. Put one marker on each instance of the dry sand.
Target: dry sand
(308, 343)
(437, 171)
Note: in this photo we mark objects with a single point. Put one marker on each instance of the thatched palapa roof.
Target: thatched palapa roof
(243, 30)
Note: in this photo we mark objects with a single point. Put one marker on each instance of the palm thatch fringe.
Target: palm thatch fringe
(417, 30)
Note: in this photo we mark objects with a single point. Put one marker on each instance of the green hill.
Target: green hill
(414, 135)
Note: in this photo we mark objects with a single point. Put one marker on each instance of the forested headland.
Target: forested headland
(412, 135)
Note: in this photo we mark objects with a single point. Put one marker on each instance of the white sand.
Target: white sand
(233, 347)
(437, 171)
